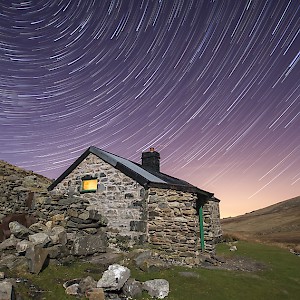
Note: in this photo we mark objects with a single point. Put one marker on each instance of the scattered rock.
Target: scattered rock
(37, 258)
(90, 244)
(6, 291)
(38, 227)
(71, 282)
(104, 259)
(132, 288)
(233, 248)
(9, 243)
(18, 230)
(14, 262)
(114, 278)
(146, 261)
(40, 238)
(95, 294)
(58, 235)
(158, 288)
(22, 246)
(72, 289)
(87, 284)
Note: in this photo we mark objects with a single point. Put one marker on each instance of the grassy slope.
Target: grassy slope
(277, 223)
(280, 280)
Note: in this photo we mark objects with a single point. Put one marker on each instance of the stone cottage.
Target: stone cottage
(143, 205)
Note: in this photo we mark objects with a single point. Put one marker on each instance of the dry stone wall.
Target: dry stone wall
(20, 189)
(119, 198)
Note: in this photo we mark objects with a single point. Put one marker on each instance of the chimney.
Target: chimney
(150, 160)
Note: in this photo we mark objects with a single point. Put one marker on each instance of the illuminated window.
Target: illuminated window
(89, 184)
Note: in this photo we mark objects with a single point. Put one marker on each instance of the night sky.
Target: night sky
(212, 85)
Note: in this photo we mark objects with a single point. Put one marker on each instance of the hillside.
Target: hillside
(17, 187)
(279, 223)
(9, 172)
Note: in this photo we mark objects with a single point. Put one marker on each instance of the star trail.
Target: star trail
(213, 85)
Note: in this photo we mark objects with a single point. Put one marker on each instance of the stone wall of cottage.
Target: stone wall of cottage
(173, 225)
(211, 224)
(118, 198)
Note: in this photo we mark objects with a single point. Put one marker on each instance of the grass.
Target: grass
(280, 279)
(49, 283)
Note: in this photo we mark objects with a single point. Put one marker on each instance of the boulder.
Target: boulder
(37, 258)
(19, 230)
(56, 251)
(132, 288)
(95, 294)
(6, 291)
(13, 262)
(158, 288)
(58, 218)
(21, 218)
(40, 238)
(72, 289)
(22, 246)
(90, 244)
(9, 243)
(147, 262)
(38, 227)
(104, 259)
(58, 235)
(114, 278)
(87, 284)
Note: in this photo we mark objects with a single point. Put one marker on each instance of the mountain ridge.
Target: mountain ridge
(277, 223)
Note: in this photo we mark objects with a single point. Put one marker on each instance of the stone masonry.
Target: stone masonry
(173, 224)
(166, 218)
(119, 198)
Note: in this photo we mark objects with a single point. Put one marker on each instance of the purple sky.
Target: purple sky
(212, 85)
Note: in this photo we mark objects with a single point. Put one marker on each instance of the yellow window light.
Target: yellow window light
(89, 185)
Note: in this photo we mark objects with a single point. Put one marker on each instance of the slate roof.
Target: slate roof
(137, 172)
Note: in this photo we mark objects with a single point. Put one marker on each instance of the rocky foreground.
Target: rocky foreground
(38, 229)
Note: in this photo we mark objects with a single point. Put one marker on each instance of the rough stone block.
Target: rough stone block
(6, 291)
(87, 245)
(37, 258)
(40, 238)
(132, 288)
(95, 294)
(139, 226)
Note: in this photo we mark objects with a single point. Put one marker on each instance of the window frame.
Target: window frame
(85, 179)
